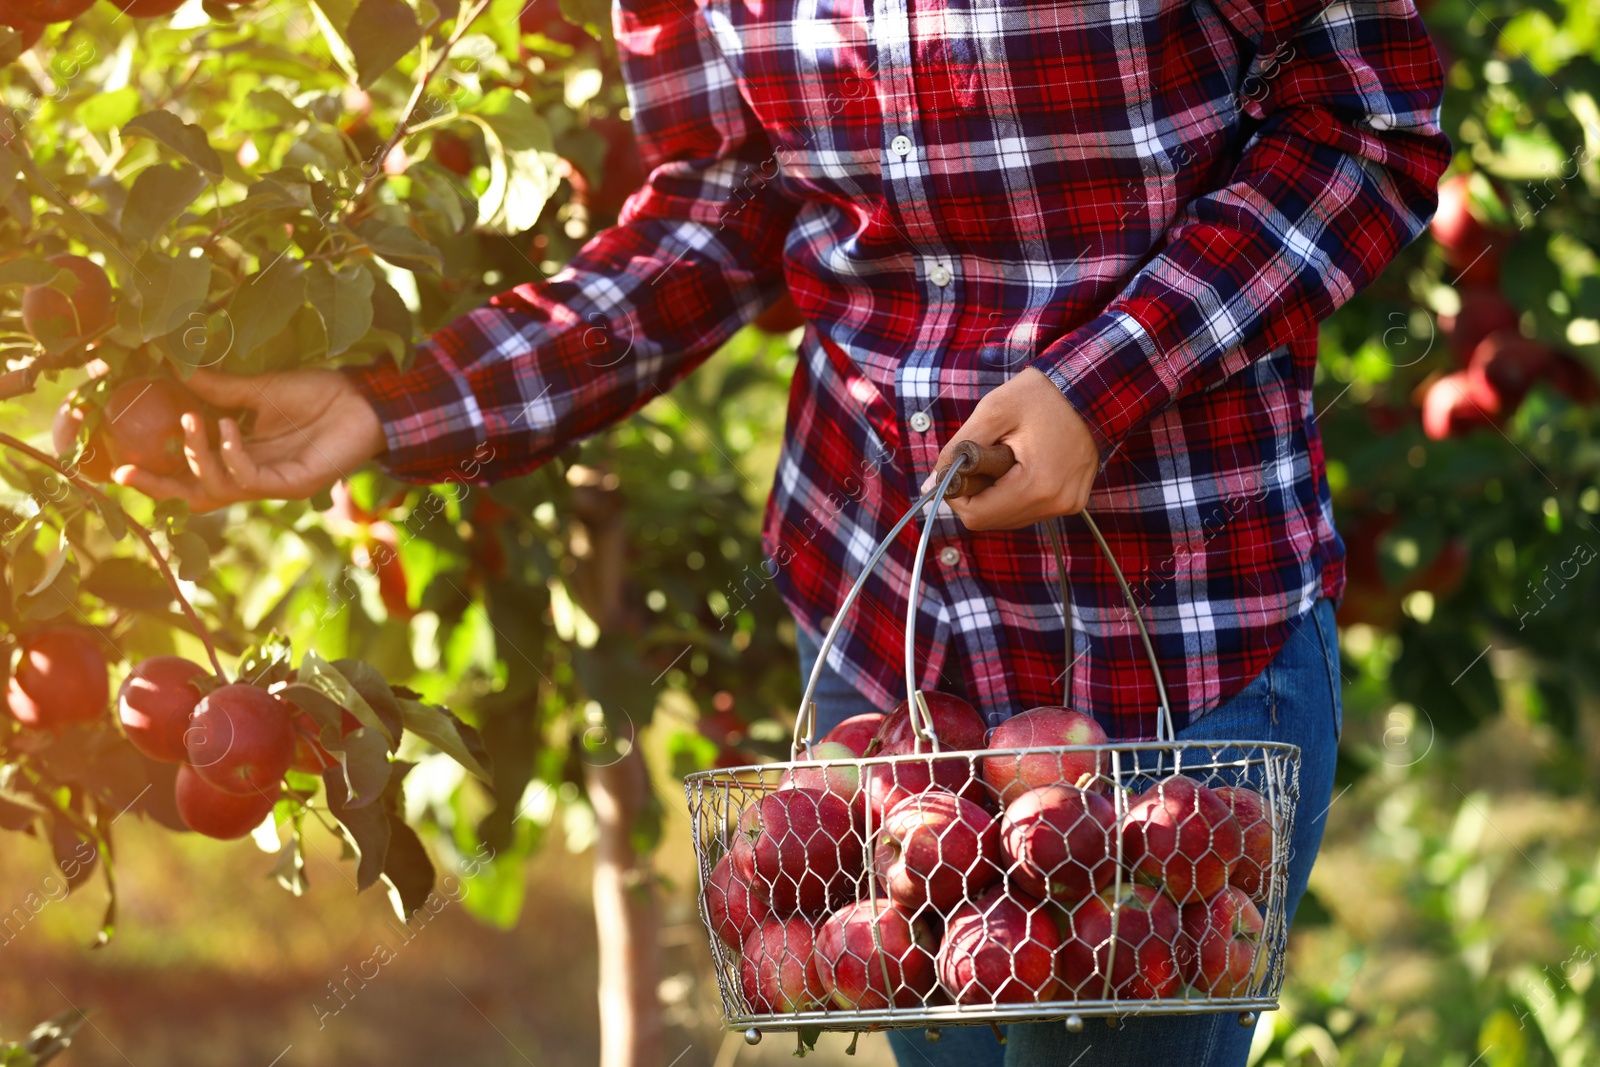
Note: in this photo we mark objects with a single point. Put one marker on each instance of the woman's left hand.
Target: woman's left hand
(1057, 458)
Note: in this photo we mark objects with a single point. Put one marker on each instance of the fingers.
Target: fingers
(159, 488)
(236, 457)
(216, 481)
(226, 390)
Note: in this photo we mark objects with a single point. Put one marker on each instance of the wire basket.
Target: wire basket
(935, 881)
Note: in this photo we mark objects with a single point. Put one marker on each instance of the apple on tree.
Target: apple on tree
(154, 705)
(799, 850)
(937, 848)
(1253, 872)
(51, 315)
(1217, 952)
(1000, 948)
(61, 679)
(214, 812)
(1045, 727)
(1180, 835)
(733, 911)
(240, 739)
(1058, 839)
(855, 961)
(1140, 960)
(778, 968)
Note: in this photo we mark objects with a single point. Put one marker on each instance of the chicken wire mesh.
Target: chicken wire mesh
(950, 874)
(997, 885)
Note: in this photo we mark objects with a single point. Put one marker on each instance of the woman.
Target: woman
(1102, 233)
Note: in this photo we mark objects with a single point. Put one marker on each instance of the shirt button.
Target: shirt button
(920, 421)
(939, 275)
(950, 555)
(901, 146)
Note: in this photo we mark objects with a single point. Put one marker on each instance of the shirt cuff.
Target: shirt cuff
(1109, 370)
(429, 416)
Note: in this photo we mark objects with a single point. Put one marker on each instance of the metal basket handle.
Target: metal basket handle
(972, 469)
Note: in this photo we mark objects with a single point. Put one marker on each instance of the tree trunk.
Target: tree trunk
(626, 904)
(627, 917)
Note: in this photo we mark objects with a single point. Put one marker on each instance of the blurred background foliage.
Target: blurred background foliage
(613, 605)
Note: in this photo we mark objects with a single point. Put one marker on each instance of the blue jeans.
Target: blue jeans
(1297, 700)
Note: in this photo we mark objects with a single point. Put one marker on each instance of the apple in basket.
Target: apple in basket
(1217, 953)
(854, 965)
(958, 727)
(843, 780)
(1047, 727)
(1058, 841)
(778, 970)
(1000, 948)
(937, 848)
(1181, 835)
(1141, 960)
(733, 910)
(798, 849)
(1253, 872)
(856, 732)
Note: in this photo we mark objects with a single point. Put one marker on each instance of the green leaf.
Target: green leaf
(268, 662)
(323, 676)
(400, 246)
(170, 291)
(343, 298)
(187, 140)
(158, 196)
(366, 680)
(448, 734)
(407, 868)
(391, 316)
(368, 827)
(522, 161)
(28, 271)
(129, 583)
(592, 16)
(194, 556)
(364, 754)
(380, 33)
(265, 303)
(108, 111)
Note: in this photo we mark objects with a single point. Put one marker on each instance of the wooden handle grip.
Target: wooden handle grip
(984, 464)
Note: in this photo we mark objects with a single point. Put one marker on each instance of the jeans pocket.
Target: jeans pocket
(1328, 635)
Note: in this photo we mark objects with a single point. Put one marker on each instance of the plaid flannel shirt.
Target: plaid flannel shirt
(1153, 203)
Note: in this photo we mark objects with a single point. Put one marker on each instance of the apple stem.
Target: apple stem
(139, 530)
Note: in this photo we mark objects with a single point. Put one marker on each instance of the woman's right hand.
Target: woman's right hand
(311, 428)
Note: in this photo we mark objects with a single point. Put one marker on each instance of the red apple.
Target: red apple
(937, 848)
(1047, 727)
(958, 727)
(734, 912)
(1253, 873)
(1140, 961)
(798, 849)
(1507, 364)
(1217, 951)
(1454, 406)
(856, 732)
(154, 704)
(1058, 839)
(1469, 245)
(778, 969)
(205, 809)
(863, 969)
(955, 722)
(240, 739)
(842, 779)
(1181, 835)
(1483, 311)
(47, 312)
(999, 949)
(61, 680)
(1572, 378)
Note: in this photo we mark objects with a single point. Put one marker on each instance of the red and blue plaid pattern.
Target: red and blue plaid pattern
(1152, 202)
